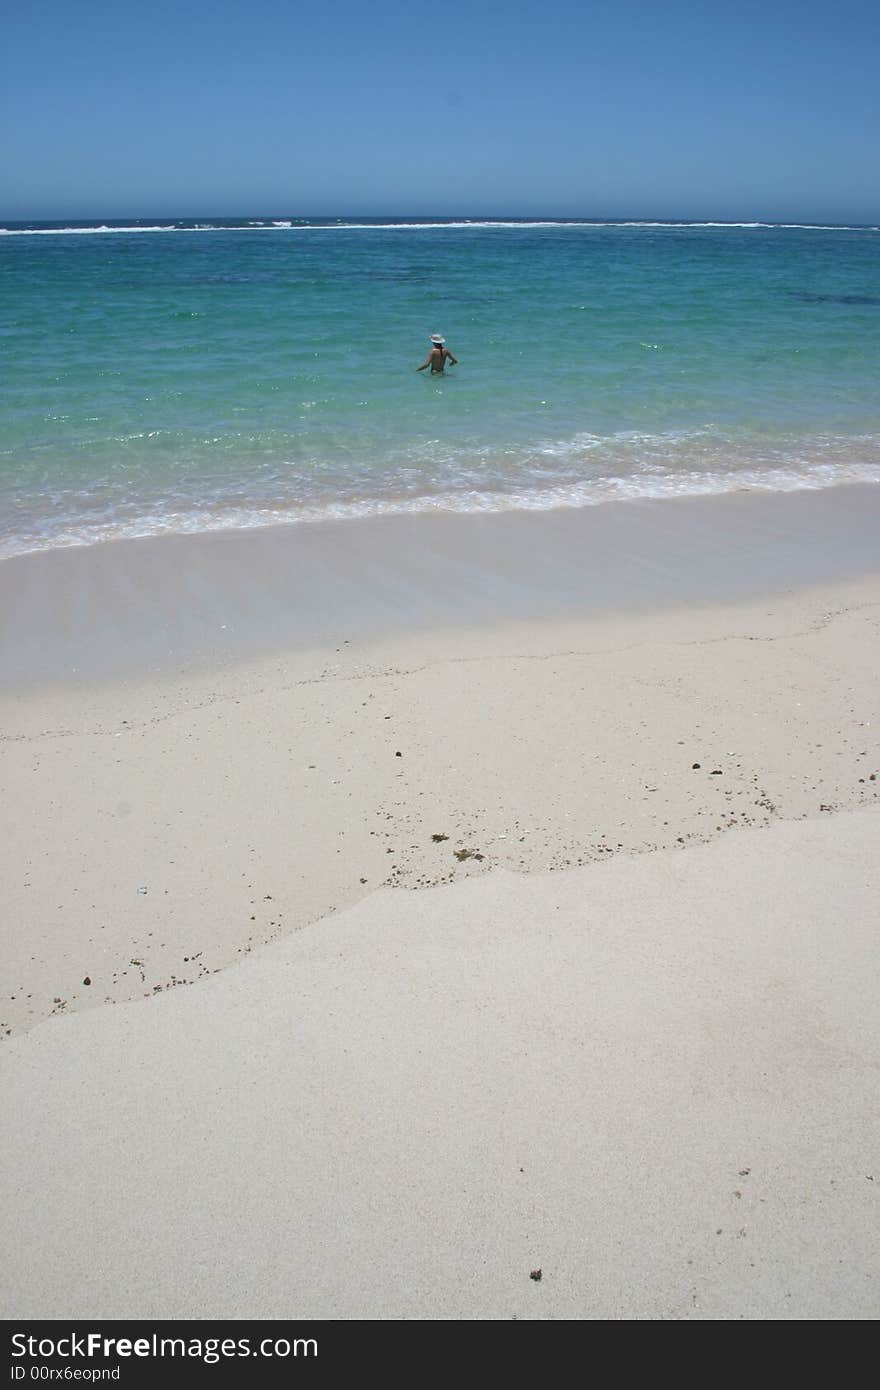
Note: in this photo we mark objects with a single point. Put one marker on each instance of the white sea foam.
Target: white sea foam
(80, 231)
(657, 484)
(464, 224)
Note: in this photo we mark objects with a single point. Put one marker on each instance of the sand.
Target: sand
(432, 955)
(653, 1079)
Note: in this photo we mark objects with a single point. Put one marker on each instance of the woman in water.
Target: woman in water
(438, 356)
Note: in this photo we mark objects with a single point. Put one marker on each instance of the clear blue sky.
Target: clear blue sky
(715, 108)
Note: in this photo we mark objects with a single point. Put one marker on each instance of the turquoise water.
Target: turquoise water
(184, 378)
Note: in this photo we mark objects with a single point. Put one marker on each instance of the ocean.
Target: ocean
(178, 376)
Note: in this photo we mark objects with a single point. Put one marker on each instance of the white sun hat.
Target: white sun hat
(437, 339)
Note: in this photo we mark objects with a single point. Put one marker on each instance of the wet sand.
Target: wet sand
(165, 605)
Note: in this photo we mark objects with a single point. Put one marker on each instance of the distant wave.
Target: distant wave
(340, 225)
(92, 231)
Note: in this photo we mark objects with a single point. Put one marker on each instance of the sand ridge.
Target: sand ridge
(654, 1079)
(156, 832)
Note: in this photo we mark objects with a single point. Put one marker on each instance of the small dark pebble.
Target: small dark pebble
(536, 1275)
(716, 772)
(438, 839)
(694, 766)
(87, 980)
(363, 880)
(398, 755)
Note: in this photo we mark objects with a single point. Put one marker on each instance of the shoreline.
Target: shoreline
(169, 605)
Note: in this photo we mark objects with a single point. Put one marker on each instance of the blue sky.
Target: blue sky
(671, 108)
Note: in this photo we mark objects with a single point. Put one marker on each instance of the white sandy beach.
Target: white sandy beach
(560, 928)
